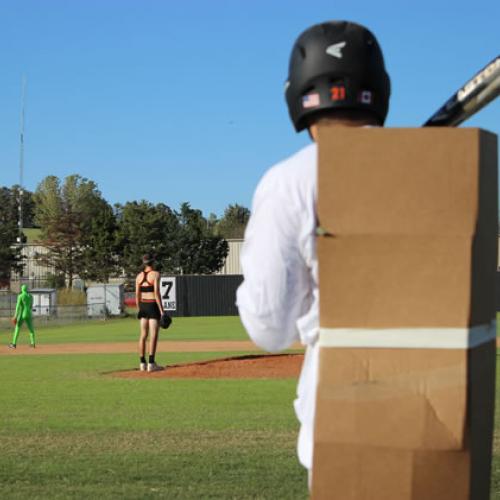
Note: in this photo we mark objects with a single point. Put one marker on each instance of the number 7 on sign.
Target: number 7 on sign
(169, 285)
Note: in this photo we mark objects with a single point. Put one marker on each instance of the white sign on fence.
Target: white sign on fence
(44, 302)
(168, 293)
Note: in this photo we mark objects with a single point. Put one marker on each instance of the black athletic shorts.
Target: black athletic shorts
(148, 310)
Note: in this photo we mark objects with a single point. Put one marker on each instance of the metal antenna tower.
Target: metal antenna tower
(21, 165)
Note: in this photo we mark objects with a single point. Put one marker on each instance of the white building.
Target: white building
(232, 263)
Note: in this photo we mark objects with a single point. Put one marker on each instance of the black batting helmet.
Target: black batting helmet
(336, 65)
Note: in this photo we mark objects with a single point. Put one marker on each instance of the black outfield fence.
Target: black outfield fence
(216, 295)
(206, 295)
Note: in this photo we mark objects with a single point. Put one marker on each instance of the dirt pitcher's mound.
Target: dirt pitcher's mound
(248, 366)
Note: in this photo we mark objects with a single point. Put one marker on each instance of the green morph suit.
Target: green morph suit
(23, 314)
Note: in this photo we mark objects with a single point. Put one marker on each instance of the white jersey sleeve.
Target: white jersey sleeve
(277, 256)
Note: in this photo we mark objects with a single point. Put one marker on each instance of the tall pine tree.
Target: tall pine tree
(67, 214)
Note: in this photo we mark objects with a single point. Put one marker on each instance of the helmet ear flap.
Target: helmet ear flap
(336, 65)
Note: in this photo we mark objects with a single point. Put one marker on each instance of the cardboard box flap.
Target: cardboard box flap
(358, 473)
(417, 191)
(395, 398)
(393, 282)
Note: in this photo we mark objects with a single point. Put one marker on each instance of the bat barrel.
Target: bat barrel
(480, 90)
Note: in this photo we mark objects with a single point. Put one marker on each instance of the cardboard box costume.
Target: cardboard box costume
(407, 263)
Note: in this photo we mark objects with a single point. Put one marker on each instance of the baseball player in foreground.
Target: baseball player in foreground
(22, 315)
(336, 75)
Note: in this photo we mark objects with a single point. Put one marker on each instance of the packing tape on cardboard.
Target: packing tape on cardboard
(408, 338)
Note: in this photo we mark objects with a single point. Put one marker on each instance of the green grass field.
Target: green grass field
(69, 430)
(126, 330)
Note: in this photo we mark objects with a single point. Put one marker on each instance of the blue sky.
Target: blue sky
(183, 101)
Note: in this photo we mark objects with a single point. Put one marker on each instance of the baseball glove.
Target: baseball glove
(165, 321)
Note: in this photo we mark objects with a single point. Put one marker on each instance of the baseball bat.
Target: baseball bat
(481, 89)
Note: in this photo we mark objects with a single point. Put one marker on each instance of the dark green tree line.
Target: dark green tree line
(143, 227)
(89, 238)
(199, 250)
(233, 223)
(10, 251)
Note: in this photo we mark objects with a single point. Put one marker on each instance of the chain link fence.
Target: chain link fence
(51, 314)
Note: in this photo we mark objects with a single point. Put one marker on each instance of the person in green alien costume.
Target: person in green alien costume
(23, 314)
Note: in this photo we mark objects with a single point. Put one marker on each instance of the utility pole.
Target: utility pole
(21, 165)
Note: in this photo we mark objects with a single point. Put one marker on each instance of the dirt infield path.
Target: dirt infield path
(131, 347)
(255, 364)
